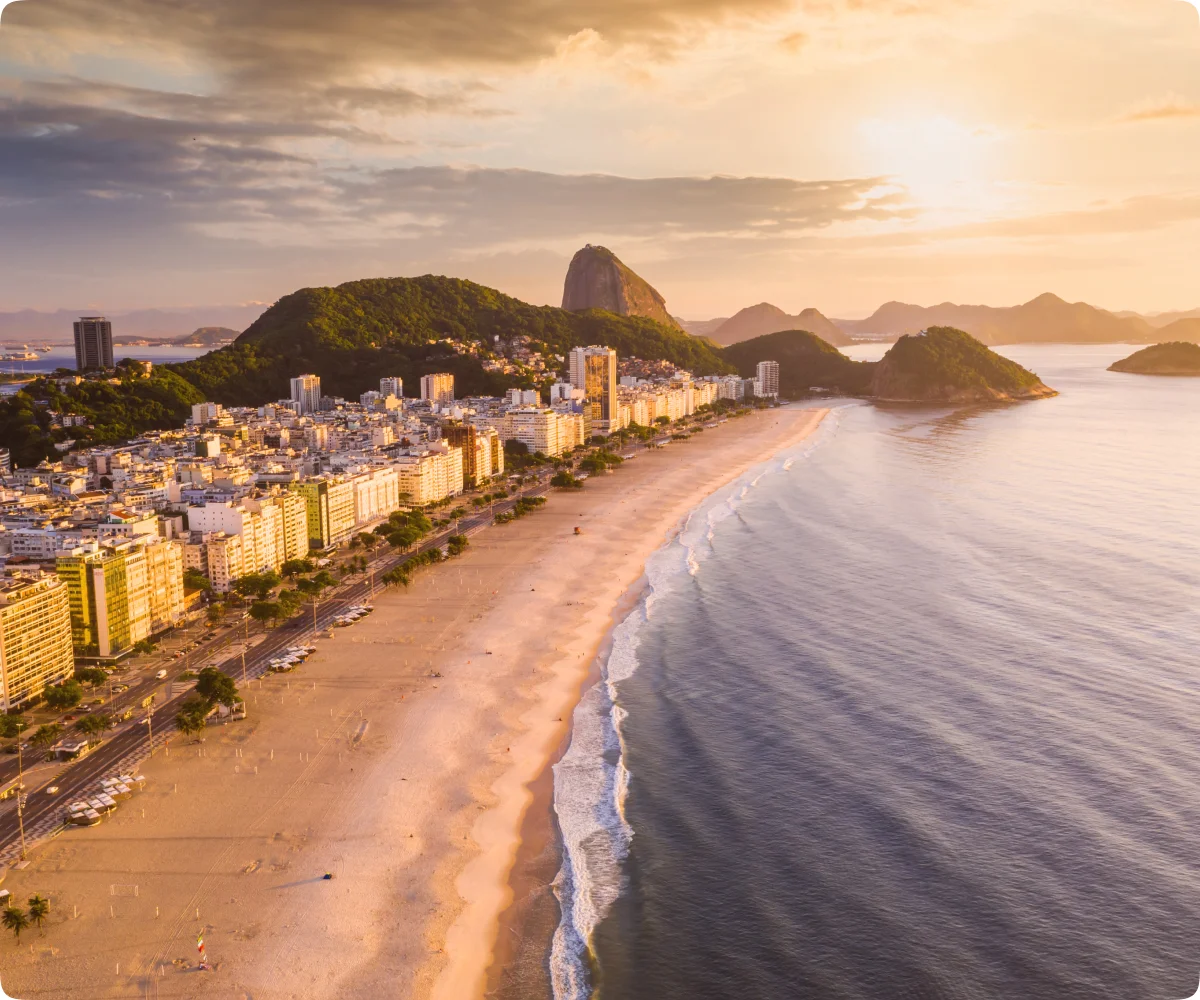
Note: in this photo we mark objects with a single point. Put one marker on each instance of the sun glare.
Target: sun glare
(938, 159)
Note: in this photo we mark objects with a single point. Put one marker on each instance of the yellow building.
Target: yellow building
(35, 638)
(330, 510)
(438, 388)
(122, 593)
(432, 476)
(294, 525)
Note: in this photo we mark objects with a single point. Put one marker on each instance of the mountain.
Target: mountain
(1161, 320)
(351, 334)
(1178, 358)
(948, 365)
(701, 327)
(1046, 319)
(206, 336)
(764, 318)
(56, 327)
(805, 362)
(597, 279)
(1181, 329)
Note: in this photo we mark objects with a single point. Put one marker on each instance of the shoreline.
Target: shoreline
(520, 967)
(409, 757)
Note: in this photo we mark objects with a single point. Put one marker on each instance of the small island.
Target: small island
(1177, 358)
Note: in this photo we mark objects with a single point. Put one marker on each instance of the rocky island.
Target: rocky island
(1178, 358)
(949, 366)
(941, 365)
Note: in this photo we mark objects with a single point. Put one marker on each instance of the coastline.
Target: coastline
(409, 758)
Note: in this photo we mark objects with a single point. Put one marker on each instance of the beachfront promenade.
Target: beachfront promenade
(409, 757)
(43, 814)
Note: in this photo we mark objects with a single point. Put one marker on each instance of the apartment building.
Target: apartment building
(594, 370)
(545, 430)
(376, 494)
(483, 451)
(766, 379)
(35, 638)
(330, 507)
(306, 393)
(438, 388)
(294, 523)
(259, 525)
(432, 476)
(121, 592)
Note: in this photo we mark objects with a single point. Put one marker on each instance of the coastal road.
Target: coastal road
(43, 811)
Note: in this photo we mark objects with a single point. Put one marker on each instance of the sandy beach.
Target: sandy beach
(402, 758)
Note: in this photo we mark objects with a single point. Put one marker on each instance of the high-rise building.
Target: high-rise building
(438, 388)
(93, 343)
(35, 638)
(121, 593)
(430, 477)
(330, 510)
(391, 387)
(306, 393)
(295, 524)
(594, 370)
(477, 456)
(5, 462)
(767, 379)
(206, 413)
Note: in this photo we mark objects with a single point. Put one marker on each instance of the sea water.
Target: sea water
(910, 711)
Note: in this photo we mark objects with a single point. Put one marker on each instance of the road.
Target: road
(43, 812)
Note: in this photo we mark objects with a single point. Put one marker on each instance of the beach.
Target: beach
(402, 759)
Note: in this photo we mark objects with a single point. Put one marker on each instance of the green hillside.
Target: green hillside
(114, 412)
(1178, 358)
(353, 334)
(805, 362)
(947, 365)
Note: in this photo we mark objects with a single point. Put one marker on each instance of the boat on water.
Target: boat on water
(25, 354)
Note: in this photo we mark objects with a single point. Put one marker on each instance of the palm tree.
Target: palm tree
(39, 910)
(15, 920)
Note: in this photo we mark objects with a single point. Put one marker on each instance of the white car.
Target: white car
(161, 675)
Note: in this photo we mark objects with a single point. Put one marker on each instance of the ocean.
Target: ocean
(64, 357)
(912, 711)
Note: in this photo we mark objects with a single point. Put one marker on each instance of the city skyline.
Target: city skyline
(806, 154)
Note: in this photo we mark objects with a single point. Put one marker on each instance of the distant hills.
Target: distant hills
(205, 336)
(1046, 319)
(159, 324)
(597, 279)
(764, 318)
(1178, 358)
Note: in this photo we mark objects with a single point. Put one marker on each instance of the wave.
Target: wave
(591, 780)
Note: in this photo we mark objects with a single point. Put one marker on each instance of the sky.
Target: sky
(833, 154)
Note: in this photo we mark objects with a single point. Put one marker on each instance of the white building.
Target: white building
(306, 393)
(438, 388)
(766, 380)
(207, 413)
(391, 387)
(524, 397)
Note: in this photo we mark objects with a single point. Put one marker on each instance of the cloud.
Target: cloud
(1169, 108)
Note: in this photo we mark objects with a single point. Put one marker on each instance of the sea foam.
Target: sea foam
(591, 780)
